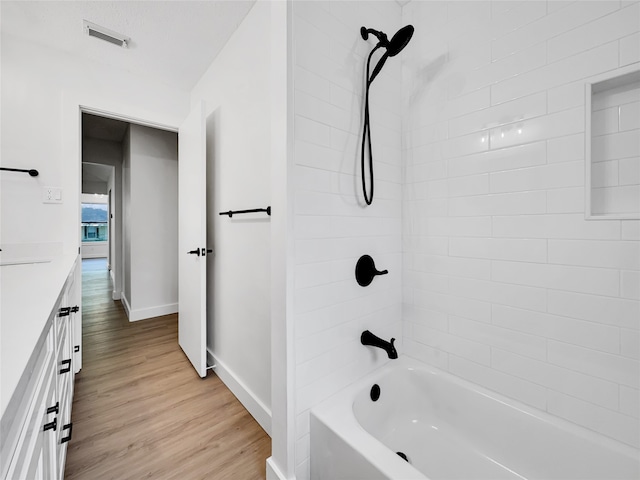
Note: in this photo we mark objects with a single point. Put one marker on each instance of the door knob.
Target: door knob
(194, 252)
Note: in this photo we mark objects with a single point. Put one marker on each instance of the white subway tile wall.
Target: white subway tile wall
(332, 225)
(479, 144)
(615, 149)
(504, 281)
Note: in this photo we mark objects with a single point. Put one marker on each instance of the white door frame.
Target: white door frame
(74, 105)
(119, 252)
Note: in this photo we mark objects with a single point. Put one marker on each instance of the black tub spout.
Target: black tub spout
(368, 338)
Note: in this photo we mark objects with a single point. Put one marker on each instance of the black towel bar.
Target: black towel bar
(32, 172)
(255, 210)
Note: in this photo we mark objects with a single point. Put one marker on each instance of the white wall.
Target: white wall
(114, 185)
(38, 84)
(505, 282)
(111, 153)
(126, 220)
(94, 187)
(236, 91)
(332, 226)
(151, 222)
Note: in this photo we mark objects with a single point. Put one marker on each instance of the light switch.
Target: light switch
(51, 195)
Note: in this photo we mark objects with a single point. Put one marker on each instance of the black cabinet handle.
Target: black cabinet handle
(76, 348)
(68, 426)
(64, 311)
(68, 366)
(54, 409)
(194, 252)
(75, 309)
(51, 425)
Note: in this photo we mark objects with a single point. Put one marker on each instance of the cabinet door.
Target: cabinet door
(65, 378)
(49, 447)
(35, 455)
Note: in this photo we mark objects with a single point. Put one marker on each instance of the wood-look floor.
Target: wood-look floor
(141, 411)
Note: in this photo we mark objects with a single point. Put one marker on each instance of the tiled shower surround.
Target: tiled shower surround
(615, 150)
(332, 227)
(479, 216)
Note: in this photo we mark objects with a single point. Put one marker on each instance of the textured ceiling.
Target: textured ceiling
(171, 41)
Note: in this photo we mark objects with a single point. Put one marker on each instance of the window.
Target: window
(94, 223)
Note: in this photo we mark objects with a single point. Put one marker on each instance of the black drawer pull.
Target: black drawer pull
(51, 425)
(64, 311)
(54, 409)
(68, 366)
(68, 426)
(75, 309)
(76, 348)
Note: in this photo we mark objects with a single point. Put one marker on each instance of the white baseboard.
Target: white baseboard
(152, 312)
(251, 402)
(127, 307)
(273, 472)
(115, 294)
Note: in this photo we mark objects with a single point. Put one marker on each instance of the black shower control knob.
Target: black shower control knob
(366, 270)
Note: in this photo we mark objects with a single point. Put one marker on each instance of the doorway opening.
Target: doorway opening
(130, 171)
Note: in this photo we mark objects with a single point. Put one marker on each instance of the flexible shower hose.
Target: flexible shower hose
(366, 138)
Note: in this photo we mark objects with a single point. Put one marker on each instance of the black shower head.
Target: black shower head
(397, 43)
(400, 40)
(393, 46)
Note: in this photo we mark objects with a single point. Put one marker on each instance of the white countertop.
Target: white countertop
(28, 294)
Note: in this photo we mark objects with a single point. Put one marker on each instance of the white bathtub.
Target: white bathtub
(450, 428)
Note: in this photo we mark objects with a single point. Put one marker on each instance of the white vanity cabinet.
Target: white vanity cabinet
(36, 422)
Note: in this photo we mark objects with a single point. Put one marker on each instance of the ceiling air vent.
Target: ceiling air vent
(105, 34)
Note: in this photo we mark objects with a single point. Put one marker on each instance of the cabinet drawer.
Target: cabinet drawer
(61, 325)
(64, 359)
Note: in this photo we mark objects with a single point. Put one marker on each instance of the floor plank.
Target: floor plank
(141, 411)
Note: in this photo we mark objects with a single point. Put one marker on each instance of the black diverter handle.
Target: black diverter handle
(366, 270)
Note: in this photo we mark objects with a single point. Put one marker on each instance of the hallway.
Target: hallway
(141, 411)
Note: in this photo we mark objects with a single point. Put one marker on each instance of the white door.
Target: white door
(192, 239)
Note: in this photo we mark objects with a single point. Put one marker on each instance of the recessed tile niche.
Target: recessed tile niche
(613, 147)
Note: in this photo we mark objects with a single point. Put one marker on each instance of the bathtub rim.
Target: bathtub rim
(337, 413)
